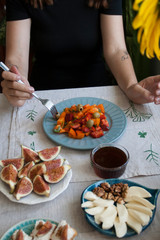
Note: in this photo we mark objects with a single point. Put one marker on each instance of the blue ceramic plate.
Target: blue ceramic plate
(115, 117)
(111, 232)
(27, 226)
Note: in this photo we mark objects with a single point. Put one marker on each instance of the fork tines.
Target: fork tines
(51, 107)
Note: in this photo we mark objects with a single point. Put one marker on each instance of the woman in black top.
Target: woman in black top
(70, 39)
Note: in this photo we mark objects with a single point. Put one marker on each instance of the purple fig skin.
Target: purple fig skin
(57, 174)
(29, 155)
(17, 162)
(49, 153)
(23, 188)
(40, 186)
(9, 175)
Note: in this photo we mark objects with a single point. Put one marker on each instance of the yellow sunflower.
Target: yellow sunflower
(147, 21)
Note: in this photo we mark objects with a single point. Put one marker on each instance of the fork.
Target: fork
(46, 102)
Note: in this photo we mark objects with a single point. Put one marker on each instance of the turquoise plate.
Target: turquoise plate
(27, 226)
(115, 117)
(111, 232)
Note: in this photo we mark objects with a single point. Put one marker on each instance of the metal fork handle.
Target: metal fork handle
(5, 68)
(35, 95)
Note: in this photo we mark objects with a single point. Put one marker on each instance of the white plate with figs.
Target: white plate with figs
(118, 207)
(32, 177)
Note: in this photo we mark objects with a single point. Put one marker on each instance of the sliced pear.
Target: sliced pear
(138, 191)
(108, 221)
(142, 218)
(134, 224)
(90, 196)
(97, 218)
(88, 204)
(120, 228)
(139, 207)
(95, 210)
(141, 200)
(122, 212)
(103, 202)
(108, 213)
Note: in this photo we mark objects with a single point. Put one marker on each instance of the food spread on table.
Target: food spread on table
(80, 121)
(34, 171)
(119, 206)
(46, 230)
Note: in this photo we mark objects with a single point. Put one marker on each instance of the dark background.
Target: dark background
(143, 66)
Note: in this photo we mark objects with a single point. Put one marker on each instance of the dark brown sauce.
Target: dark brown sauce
(110, 157)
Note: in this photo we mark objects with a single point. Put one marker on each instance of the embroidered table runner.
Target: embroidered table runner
(141, 136)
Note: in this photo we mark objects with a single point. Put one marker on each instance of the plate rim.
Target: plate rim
(116, 180)
(9, 231)
(98, 140)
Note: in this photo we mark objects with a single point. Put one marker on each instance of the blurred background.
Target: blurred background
(143, 66)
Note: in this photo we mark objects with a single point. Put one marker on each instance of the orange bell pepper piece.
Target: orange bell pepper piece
(73, 108)
(72, 133)
(61, 119)
(78, 115)
(79, 134)
(96, 121)
(86, 106)
(101, 107)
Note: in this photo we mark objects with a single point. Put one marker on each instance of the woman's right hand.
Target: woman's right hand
(16, 93)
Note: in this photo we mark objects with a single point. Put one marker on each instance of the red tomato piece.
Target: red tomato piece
(102, 116)
(68, 117)
(98, 128)
(97, 134)
(85, 129)
(104, 125)
(75, 125)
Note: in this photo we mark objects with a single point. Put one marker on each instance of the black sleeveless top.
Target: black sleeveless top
(67, 42)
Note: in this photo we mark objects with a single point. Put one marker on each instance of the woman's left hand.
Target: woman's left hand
(147, 90)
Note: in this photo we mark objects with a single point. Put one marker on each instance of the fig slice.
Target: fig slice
(40, 186)
(49, 153)
(17, 162)
(29, 155)
(56, 174)
(43, 230)
(64, 231)
(9, 175)
(53, 163)
(38, 169)
(23, 188)
(24, 171)
(20, 235)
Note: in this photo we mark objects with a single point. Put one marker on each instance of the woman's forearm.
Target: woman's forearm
(122, 68)
(115, 52)
(17, 45)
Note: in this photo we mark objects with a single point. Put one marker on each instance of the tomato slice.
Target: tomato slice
(68, 117)
(102, 116)
(85, 129)
(104, 125)
(97, 134)
(75, 125)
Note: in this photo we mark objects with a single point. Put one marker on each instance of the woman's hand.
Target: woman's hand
(147, 90)
(16, 93)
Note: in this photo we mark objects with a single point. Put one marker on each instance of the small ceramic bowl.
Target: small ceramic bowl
(109, 160)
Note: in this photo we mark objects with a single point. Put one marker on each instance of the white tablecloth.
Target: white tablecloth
(141, 138)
